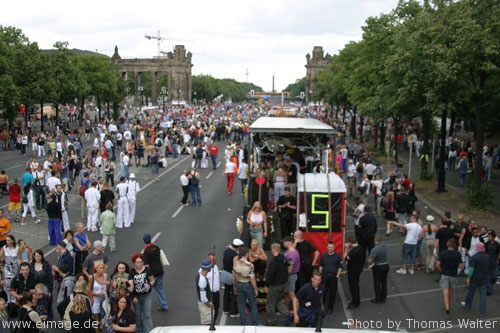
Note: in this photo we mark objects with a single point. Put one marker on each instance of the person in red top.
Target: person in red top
(14, 200)
(214, 150)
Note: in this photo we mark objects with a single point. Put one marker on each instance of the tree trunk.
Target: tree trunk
(41, 117)
(57, 113)
(453, 120)
(82, 108)
(442, 145)
(361, 123)
(424, 153)
(353, 124)
(396, 132)
(479, 135)
(382, 135)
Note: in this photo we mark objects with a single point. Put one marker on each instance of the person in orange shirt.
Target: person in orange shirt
(5, 228)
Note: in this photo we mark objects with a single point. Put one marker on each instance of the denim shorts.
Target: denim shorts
(409, 250)
(290, 284)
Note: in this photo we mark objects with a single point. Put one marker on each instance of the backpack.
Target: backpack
(83, 188)
(199, 152)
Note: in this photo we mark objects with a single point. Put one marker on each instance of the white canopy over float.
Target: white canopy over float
(318, 182)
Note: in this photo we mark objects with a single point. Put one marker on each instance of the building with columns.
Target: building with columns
(314, 64)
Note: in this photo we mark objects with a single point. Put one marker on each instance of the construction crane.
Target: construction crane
(159, 39)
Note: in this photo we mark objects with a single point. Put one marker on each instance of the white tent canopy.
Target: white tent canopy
(290, 125)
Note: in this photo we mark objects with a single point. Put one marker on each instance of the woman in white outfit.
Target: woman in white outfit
(29, 204)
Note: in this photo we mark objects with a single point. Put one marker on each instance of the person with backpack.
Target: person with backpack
(64, 307)
(30, 319)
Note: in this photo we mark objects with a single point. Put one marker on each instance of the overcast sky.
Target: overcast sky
(226, 37)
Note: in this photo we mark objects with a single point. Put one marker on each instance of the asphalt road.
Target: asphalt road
(187, 234)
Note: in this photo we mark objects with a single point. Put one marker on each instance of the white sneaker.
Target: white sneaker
(401, 271)
(411, 271)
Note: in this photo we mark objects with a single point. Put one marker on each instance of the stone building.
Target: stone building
(316, 63)
(176, 64)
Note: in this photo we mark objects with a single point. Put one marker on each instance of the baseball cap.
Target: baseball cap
(237, 242)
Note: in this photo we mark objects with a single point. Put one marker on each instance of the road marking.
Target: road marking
(178, 211)
(13, 167)
(208, 176)
(222, 320)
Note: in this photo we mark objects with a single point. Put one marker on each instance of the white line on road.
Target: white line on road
(208, 176)
(177, 211)
(13, 167)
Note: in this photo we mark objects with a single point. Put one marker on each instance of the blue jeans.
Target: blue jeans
(493, 277)
(482, 296)
(245, 291)
(144, 322)
(160, 293)
(195, 195)
(409, 250)
(126, 171)
(54, 226)
(214, 161)
(174, 150)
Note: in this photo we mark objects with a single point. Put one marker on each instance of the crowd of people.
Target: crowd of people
(300, 285)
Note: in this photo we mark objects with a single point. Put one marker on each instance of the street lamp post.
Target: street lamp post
(178, 95)
(195, 100)
(141, 90)
(163, 93)
(310, 96)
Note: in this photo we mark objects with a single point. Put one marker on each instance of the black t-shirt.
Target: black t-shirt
(355, 260)
(153, 259)
(106, 196)
(227, 259)
(305, 249)
(443, 235)
(80, 322)
(292, 178)
(481, 264)
(330, 263)
(449, 262)
(141, 281)
(368, 225)
(283, 200)
(126, 319)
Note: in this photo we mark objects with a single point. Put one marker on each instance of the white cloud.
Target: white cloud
(226, 37)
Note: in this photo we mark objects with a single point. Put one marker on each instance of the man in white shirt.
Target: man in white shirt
(359, 211)
(52, 181)
(122, 216)
(61, 197)
(126, 165)
(377, 192)
(92, 197)
(413, 234)
(132, 190)
(351, 177)
(243, 175)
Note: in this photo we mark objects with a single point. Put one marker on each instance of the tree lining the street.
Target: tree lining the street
(432, 58)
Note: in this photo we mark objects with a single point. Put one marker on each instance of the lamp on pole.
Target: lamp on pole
(163, 93)
(178, 95)
(195, 100)
(141, 90)
(310, 96)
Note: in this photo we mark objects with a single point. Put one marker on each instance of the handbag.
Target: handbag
(226, 277)
(163, 258)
